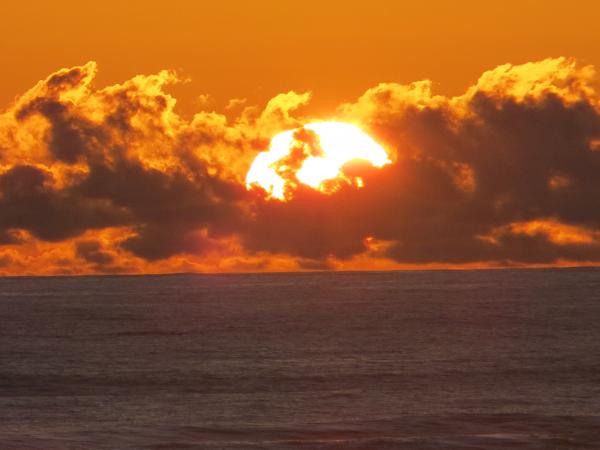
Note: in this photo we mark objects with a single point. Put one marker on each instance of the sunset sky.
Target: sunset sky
(128, 128)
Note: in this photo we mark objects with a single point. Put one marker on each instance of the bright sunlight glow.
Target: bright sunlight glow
(313, 155)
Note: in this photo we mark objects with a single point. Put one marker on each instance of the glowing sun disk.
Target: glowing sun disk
(294, 158)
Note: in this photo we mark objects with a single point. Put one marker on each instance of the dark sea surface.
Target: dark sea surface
(504, 359)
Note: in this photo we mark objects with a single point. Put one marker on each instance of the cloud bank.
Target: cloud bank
(114, 180)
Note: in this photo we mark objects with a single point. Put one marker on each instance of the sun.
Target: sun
(313, 155)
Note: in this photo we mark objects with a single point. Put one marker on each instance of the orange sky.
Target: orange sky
(256, 49)
(110, 165)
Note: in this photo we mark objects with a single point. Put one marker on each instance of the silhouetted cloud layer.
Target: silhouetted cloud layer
(114, 180)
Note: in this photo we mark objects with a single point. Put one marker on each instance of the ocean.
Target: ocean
(485, 359)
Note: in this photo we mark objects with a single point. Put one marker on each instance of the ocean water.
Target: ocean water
(383, 360)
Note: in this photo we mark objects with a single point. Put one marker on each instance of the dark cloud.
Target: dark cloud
(69, 136)
(166, 209)
(92, 252)
(506, 173)
(117, 181)
(462, 171)
(29, 202)
(10, 237)
(69, 78)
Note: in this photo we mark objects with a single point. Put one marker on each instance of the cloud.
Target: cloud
(464, 166)
(92, 251)
(29, 202)
(505, 174)
(112, 157)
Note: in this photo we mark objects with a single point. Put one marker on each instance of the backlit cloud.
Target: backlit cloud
(113, 179)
